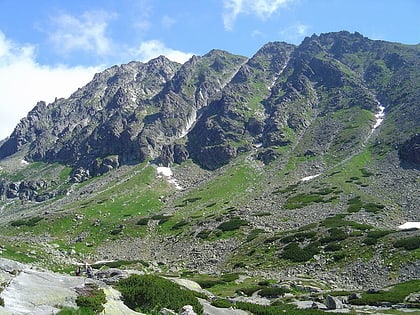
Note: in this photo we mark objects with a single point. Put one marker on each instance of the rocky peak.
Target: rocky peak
(215, 106)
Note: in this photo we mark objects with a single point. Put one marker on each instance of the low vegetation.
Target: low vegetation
(151, 293)
(395, 294)
(91, 298)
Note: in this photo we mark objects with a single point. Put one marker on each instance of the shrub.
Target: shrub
(29, 222)
(295, 253)
(272, 292)
(208, 283)
(222, 303)
(204, 234)
(143, 221)
(335, 234)
(355, 204)
(92, 299)
(72, 311)
(179, 225)
(248, 291)
(409, 243)
(232, 224)
(332, 247)
(373, 207)
(150, 293)
(395, 295)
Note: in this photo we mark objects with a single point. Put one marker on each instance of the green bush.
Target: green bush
(333, 247)
(92, 299)
(394, 295)
(335, 235)
(295, 253)
(208, 283)
(179, 225)
(72, 311)
(373, 207)
(29, 222)
(143, 221)
(149, 293)
(204, 234)
(355, 204)
(299, 237)
(248, 291)
(232, 224)
(222, 303)
(272, 292)
(409, 243)
(276, 310)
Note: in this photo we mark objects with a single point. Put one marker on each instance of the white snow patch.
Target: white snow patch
(167, 172)
(409, 225)
(258, 145)
(190, 122)
(305, 179)
(23, 162)
(380, 115)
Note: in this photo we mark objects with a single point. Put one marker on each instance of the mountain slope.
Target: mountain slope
(284, 164)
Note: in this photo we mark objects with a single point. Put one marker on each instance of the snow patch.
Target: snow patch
(190, 122)
(305, 179)
(380, 116)
(23, 162)
(409, 225)
(167, 172)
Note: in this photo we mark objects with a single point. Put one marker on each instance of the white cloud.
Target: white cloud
(261, 8)
(154, 48)
(84, 33)
(167, 22)
(295, 33)
(24, 82)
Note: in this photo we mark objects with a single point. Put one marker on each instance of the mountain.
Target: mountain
(300, 161)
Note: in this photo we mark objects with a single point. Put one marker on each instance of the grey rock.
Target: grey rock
(333, 303)
(187, 310)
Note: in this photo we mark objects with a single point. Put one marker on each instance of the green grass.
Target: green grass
(117, 207)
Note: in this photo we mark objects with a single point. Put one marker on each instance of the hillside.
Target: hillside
(297, 163)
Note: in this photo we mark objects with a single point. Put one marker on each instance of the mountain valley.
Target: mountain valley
(297, 165)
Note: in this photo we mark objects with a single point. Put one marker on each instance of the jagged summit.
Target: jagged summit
(300, 163)
(215, 106)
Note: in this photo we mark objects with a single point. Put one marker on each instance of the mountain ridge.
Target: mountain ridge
(283, 165)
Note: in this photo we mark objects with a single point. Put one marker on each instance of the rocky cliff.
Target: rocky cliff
(213, 107)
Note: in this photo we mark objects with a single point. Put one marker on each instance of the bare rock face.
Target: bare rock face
(410, 150)
(214, 107)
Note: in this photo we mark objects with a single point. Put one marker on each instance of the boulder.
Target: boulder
(187, 310)
(332, 303)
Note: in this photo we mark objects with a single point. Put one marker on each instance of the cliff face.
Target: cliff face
(320, 96)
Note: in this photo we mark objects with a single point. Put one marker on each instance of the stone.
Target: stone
(413, 298)
(354, 296)
(333, 303)
(187, 310)
(166, 311)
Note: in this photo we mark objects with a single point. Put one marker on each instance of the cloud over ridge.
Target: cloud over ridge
(260, 8)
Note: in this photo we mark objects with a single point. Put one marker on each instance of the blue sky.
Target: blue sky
(49, 48)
